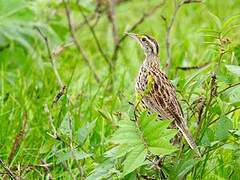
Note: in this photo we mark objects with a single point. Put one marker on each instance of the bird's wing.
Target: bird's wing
(162, 98)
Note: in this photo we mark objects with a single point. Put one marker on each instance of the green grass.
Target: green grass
(28, 83)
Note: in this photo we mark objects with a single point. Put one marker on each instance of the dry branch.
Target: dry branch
(51, 59)
(79, 48)
(8, 170)
(95, 38)
(145, 15)
(51, 56)
(192, 67)
(112, 20)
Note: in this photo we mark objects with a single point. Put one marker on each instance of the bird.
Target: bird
(158, 94)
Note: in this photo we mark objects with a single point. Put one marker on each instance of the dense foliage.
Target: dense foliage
(67, 76)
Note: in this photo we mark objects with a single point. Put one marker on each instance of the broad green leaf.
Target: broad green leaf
(145, 135)
(84, 131)
(64, 127)
(233, 69)
(186, 167)
(134, 159)
(222, 128)
(74, 154)
(208, 137)
(103, 170)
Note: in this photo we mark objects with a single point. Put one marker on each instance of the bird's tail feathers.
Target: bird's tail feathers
(187, 135)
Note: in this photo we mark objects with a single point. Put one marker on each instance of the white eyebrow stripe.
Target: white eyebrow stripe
(153, 44)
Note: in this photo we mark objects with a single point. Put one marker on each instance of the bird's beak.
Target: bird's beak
(133, 35)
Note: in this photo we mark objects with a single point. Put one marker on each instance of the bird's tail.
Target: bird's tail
(187, 135)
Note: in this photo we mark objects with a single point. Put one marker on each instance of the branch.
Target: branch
(192, 67)
(51, 58)
(7, 169)
(112, 19)
(96, 15)
(60, 49)
(177, 6)
(79, 48)
(95, 37)
(215, 120)
(168, 31)
(134, 26)
(229, 87)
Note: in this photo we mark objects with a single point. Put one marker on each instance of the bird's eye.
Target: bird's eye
(143, 39)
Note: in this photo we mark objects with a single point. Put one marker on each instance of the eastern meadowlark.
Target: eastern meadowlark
(161, 97)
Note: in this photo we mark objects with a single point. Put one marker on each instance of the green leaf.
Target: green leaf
(84, 131)
(230, 20)
(137, 138)
(222, 128)
(216, 20)
(233, 69)
(103, 170)
(74, 154)
(64, 127)
(134, 159)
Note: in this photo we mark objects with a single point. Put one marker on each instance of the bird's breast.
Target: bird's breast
(141, 80)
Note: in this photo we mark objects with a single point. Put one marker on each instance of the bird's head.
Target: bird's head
(149, 44)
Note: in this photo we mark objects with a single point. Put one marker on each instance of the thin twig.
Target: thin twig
(46, 167)
(60, 49)
(229, 87)
(168, 32)
(79, 48)
(145, 15)
(51, 121)
(112, 19)
(169, 26)
(18, 139)
(193, 67)
(215, 120)
(95, 37)
(96, 15)
(8, 171)
(51, 58)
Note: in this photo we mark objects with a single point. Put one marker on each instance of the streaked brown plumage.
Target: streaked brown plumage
(161, 98)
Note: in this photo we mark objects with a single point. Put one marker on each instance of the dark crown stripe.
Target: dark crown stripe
(154, 42)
